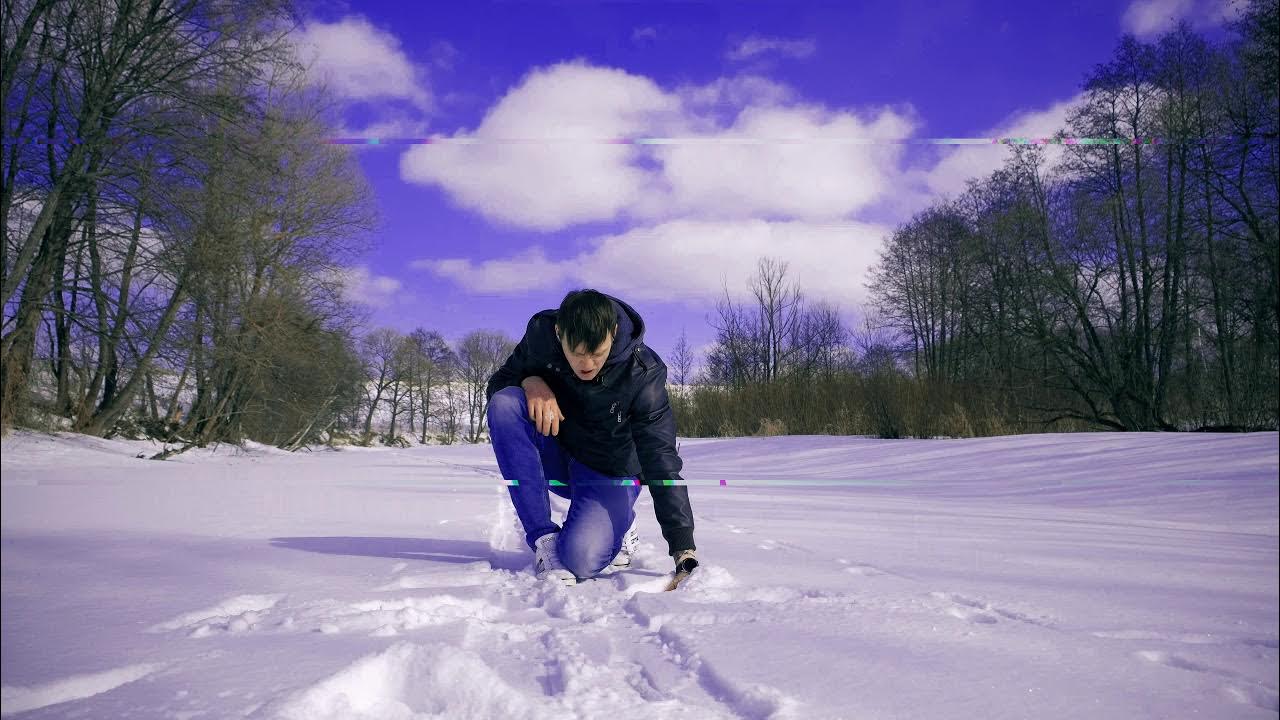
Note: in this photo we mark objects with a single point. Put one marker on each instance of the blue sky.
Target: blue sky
(482, 233)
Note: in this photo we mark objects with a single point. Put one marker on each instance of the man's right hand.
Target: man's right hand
(544, 411)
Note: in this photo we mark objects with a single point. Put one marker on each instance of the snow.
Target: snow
(1048, 576)
(17, 699)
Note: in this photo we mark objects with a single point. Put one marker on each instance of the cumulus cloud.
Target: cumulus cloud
(791, 162)
(964, 162)
(529, 270)
(1149, 18)
(738, 169)
(689, 260)
(757, 45)
(731, 94)
(540, 159)
(388, 122)
(361, 285)
(360, 63)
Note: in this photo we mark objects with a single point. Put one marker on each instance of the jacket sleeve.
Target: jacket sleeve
(653, 428)
(516, 368)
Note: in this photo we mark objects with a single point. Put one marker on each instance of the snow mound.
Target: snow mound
(21, 699)
(236, 614)
(408, 682)
(391, 617)
(477, 573)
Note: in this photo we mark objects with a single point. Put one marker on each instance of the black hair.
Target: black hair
(586, 317)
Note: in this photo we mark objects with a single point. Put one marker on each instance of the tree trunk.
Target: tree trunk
(107, 415)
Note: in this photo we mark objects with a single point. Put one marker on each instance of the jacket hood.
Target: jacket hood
(630, 331)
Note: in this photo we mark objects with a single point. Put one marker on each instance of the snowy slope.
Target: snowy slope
(1048, 576)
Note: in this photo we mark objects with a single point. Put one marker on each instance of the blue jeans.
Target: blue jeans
(600, 507)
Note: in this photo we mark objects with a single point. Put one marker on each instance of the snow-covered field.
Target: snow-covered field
(1050, 576)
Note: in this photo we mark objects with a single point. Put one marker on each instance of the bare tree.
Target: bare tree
(480, 354)
(81, 75)
(733, 359)
(682, 361)
(778, 315)
(1133, 286)
(452, 408)
(378, 350)
(820, 342)
(780, 336)
(275, 220)
(434, 369)
(404, 365)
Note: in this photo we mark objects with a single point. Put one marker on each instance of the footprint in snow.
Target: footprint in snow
(1174, 660)
(976, 611)
(1187, 638)
(1242, 690)
(1255, 695)
(861, 569)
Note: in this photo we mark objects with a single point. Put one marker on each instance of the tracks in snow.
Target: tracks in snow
(476, 640)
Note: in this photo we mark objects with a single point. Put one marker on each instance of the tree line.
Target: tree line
(417, 382)
(1130, 285)
(177, 234)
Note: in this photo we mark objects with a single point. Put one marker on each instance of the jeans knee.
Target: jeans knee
(507, 403)
(585, 557)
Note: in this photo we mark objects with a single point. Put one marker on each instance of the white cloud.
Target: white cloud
(733, 94)
(757, 45)
(964, 162)
(566, 175)
(361, 285)
(690, 260)
(391, 122)
(529, 270)
(1149, 18)
(736, 150)
(1146, 18)
(644, 35)
(784, 162)
(358, 61)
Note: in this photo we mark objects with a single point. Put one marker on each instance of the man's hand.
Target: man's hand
(544, 411)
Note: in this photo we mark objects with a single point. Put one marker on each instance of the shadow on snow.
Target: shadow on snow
(428, 549)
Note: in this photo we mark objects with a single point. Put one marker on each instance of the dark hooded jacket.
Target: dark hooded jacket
(619, 423)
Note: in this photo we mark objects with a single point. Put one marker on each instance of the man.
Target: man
(580, 409)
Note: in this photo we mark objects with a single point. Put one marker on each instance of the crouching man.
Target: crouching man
(580, 409)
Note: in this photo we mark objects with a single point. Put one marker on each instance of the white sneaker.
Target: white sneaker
(630, 542)
(546, 561)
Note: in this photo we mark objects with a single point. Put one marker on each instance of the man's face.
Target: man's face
(586, 363)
